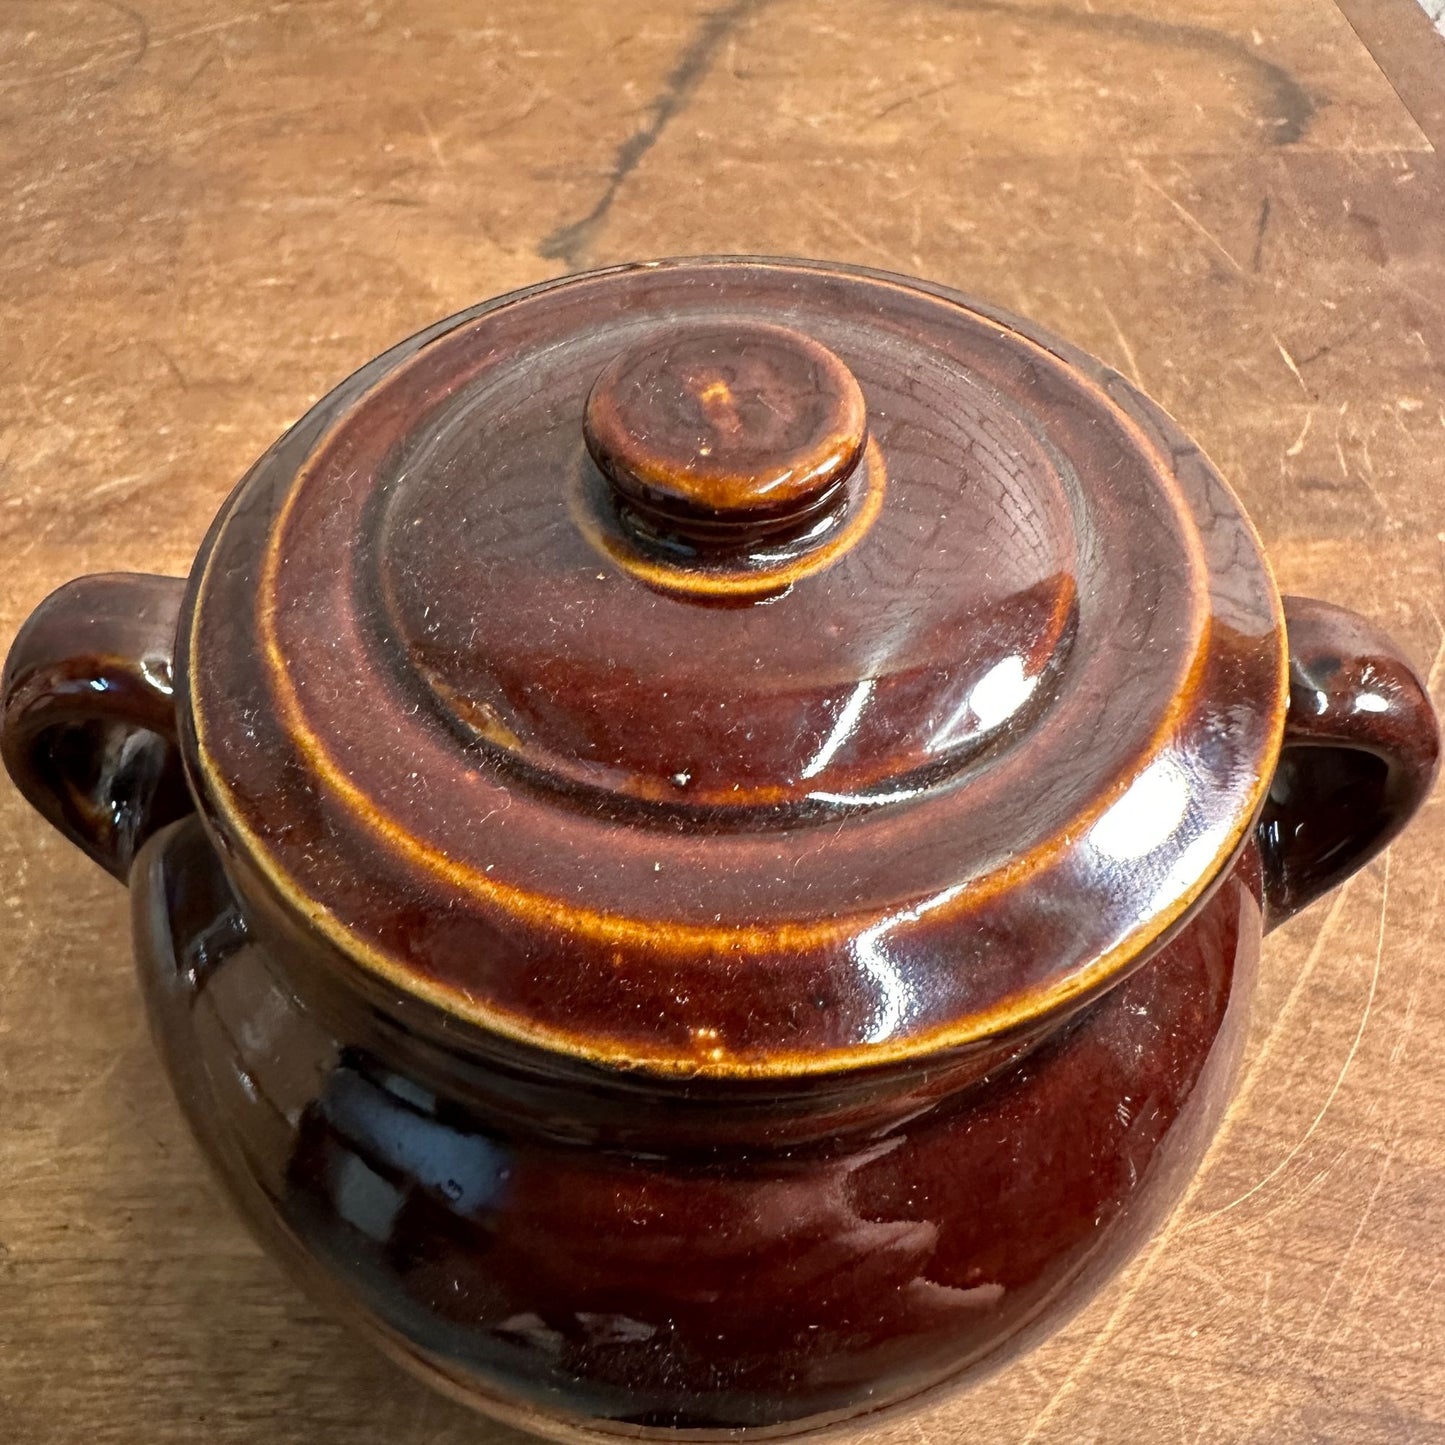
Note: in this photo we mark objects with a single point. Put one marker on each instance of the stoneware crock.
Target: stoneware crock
(700, 835)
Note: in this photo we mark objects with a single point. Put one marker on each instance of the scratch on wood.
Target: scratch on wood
(1339, 1079)
(1343, 1319)
(1143, 1270)
(920, 1433)
(1289, 361)
(1179, 1408)
(210, 28)
(1188, 216)
(1329, 346)
(125, 58)
(1146, 1266)
(1276, 1031)
(1339, 446)
(1432, 678)
(913, 97)
(432, 141)
(847, 228)
(79, 1100)
(1298, 445)
(1307, 1336)
(1135, 375)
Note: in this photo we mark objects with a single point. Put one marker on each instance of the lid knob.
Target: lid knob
(726, 433)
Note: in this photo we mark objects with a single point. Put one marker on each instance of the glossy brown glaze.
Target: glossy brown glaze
(957, 778)
(726, 462)
(1361, 749)
(598, 1255)
(726, 434)
(89, 713)
(644, 1014)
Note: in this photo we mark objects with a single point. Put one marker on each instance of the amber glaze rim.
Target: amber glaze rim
(1005, 1016)
(740, 584)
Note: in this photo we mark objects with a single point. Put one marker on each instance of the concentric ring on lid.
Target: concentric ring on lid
(961, 775)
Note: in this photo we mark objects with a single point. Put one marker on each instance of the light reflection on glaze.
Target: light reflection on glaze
(1156, 807)
(897, 996)
(990, 704)
(1149, 813)
(894, 991)
(1186, 867)
(999, 695)
(842, 729)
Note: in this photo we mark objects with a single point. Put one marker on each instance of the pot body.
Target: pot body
(776, 1264)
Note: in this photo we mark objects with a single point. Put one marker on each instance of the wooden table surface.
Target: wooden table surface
(212, 213)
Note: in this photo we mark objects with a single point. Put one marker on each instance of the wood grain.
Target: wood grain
(212, 213)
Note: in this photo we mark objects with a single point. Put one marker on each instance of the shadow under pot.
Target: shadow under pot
(700, 835)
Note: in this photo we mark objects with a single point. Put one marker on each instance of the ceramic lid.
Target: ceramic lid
(735, 667)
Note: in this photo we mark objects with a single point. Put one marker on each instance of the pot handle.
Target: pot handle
(1361, 745)
(88, 714)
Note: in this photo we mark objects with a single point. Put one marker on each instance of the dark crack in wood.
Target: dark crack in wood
(1289, 108)
(569, 243)
(1259, 229)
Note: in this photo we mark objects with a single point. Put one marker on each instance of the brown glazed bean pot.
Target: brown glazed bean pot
(700, 835)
